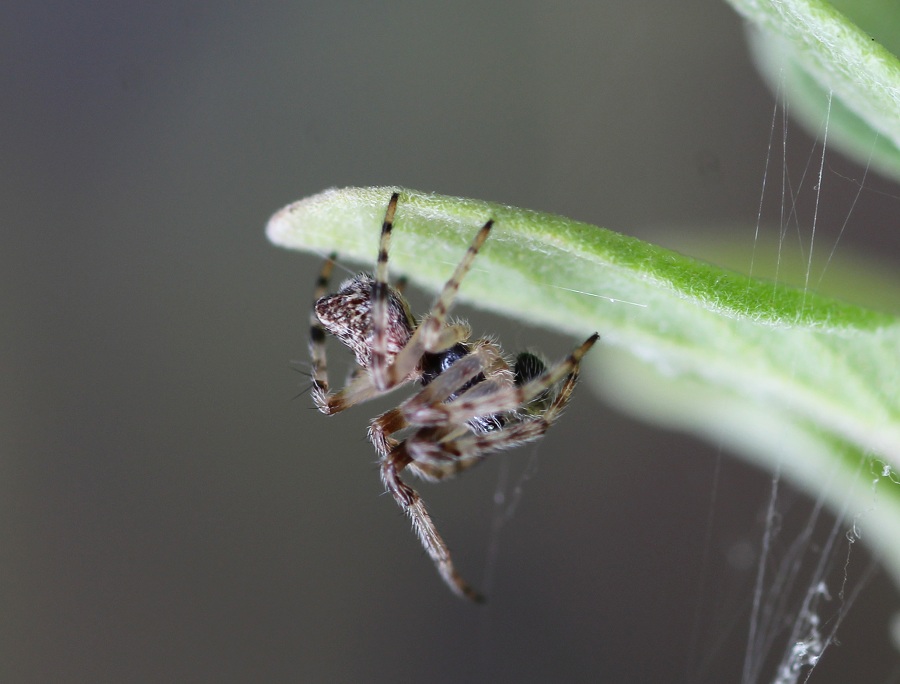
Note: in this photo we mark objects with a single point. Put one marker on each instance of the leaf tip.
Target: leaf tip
(282, 227)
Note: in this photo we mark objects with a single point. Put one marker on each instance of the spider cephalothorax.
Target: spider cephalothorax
(472, 400)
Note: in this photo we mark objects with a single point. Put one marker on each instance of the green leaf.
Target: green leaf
(828, 65)
(782, 375)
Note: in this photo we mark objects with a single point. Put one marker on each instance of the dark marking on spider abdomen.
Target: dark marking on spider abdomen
(435, 364)
(528, 367)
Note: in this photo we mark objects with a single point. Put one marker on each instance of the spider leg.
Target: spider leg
(317, 337)
(360, 389)
(484, 358)
(360, 386)
(439, 390)
(433, 335)
(432, 325)
(440, 452)
(379, 369)
(382, 427)
(478, 402)
(411, 504)
(451, 455)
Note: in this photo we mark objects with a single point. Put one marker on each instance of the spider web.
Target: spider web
(808, 574)
(809, 571)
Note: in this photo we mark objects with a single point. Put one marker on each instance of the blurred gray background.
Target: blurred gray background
(171, 511)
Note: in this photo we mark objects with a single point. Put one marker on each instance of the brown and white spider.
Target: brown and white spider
(472, 402)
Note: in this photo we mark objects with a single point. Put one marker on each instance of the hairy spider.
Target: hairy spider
(473, 401)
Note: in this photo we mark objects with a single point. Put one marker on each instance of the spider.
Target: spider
(472, 401)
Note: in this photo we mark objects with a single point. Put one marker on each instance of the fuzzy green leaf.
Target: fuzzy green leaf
(782, 375)
(828, 65)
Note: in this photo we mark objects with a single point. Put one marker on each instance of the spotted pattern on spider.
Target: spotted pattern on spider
(472, 401)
